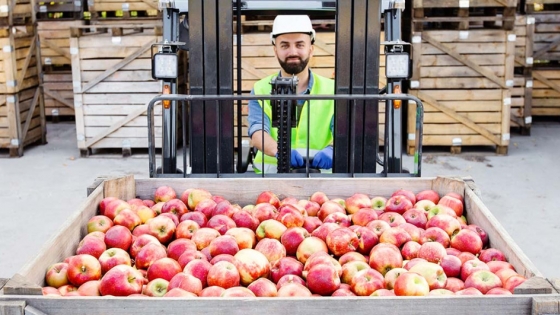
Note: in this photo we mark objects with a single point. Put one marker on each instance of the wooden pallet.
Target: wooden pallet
(16, 12)
(463, 14)
(54, 37)
(20, 69)
(541, 6)
(546, 39)
(546, 92)
(112, 84)
(463, 79)
(64, 9)
(119, 9)
(22, 120)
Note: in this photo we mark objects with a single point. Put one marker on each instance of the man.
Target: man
(292, 39)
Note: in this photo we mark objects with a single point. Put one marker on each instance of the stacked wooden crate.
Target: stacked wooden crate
(105, 10)
(521, 93)
(463, 59)
(22, 120)
(545, 90)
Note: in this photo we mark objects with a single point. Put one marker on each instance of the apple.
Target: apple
(367, 281)
(164, 194)
(383, 292)
(467, 241)
(356, 202)
(244, 237)
(498, 291)
(319, 258)
(329, 207)
(452, 251)
(414, 232)
(140, 242)
(323, 279)
(272, 249)
(187, 282)
(197, 195)
(440, 292)
(319, 197)
(178, 292)
(238, 292)
(224, 207)
(263, 287)
(428, 194)
(164, 268)
(178, 246)
(148, 254)
(162, 228)
(311, 207)
(453, 203)
(103, 204)
(285, 266)
(465, 256)
(491, 254)
(451, 265)
(342, 241)
(366, 239)
(363, 216)
(145, 213)
(203, 236)
(469, 291)
(350, 269)
(411, 263)
(290, 216)
(92, 246)
(245, 219)
(213, 291)
(148, 203)
(190, 255)
(454, 284)
(384, 257)
(198, 268)
(114, 257)
(440, 209)
(221, 223)
(483, 281)
(513, 282)
(223, 274)
(118, 236)
(393, 218)
(157, 287)
(341, 219)
(67, 289)
(90, 288)
(222, 257)
(52, 291)
(195, 216)
(505, 273)
(435, 234)
(174, 206)
(268, 197)
(378, 226)
(399, 204)
(324, 229)
(424, 205)
(496, 265)
(292, 237)
(251, 265)
(287, 279)
(411, 284)
(264, 211)
(432, 272)
(309, 246)
(395, 235)
(471, 266)
(83, 268)
(391, 276)
(140, 230)
(223, 244)
(57, 275)
(432, 252)
(483, 235)
(378, 204)
(343, 292)
(415, 217)
(157, 207)
(114, 207)
(128, 219)
(99, 223)
(410, 250)
(206, 207)
(294, 289)
(445, 222)
(270, 229)
(311, 223)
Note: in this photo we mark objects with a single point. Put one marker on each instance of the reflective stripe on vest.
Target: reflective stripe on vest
(319, 130)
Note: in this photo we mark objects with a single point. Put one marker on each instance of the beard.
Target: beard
(293, 67)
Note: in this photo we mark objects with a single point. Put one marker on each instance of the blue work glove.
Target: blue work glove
(297, 159)
(323, 159)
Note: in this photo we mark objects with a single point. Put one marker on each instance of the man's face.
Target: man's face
(293, 52)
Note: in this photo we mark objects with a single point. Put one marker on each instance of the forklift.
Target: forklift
(204, 29)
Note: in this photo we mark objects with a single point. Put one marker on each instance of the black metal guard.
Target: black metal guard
(284, 119)
(227, 99)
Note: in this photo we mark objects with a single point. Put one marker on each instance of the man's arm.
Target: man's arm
(270, 146)
(259, 127)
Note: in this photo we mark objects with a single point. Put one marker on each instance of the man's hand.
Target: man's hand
(323, 159)
(297, 159)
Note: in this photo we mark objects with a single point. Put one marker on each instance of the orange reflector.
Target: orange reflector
(397, 103)
(166, 90)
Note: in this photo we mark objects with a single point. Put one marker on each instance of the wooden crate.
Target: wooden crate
(463, 79)
(112, 84)
(65, 9)
(58, 94)
(541, 6)
(546, 92)
(546, 40)
(119, 9)
(19, 290)
(521, 102)
(16, 12)
(54, 37)
(22, 120)
(524, 36)
(19, 65)
(463, 14)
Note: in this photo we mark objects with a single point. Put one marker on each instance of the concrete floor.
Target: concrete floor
(39, 191)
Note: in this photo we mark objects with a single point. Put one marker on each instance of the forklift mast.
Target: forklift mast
(205, 29)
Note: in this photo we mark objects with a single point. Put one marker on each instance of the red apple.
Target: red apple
(223, 274)
(223, 244)
(483, 235)
(469, 291)
(440, 209)
(425, 206)
(323, 279)
(496, 265)
(384, 257)
(197, 195)
(140, 242)
(311, 223)
(391, 276)
(140, 230)
(471, 266)
(92, 246)
(445, 222)
(206, 207)
(483, 281)
(213, 291)
(285, 266)
(453, 203)
(90, 288)
(224, 207)
(118, 236)
(406, 193)
(67, 289)
(329, 207)
(162, 228)
(467, 241)
(264, 211)
(451, 265)
(341, 219)
(399, 204)
(356, 202)
(311, 207)
(222, 257)
(238, 292)
(363, 216)
(203, 236)
(294, 289)
(367, 239)
(99, 223)
(505, 273)
(270, 229)
(416, 217)
(367, 281)
(103, 204)
(309, 246)
(148, 254)
(177, 247)
(268, 197)
(114, 257)
(245, 219)
(342, 241)
(272, 249)
(410, 250)
(498, 291)
(324, 229)
(435, 234)
(491, 254)
(411, 284)
(383, 292)
(177, 292)
(454, 284)
(411, 263)
(513, 282)
(263, 287)
(128, 219)
(292, 237)
(157, 207)
(195, 216)
(57, 275)
(319, 197)
(114, 207)
(244, 237)
(252, 265)
(198, 268)
(378, 226)
(466, 256)
(164, 194)
(145, 213)
(164, 268)
(393, 218)
(83, 268)
(428, 194)
(187, 282)
(290, 216)
(433, 273)
(350, 269)
(395, 235)
(432, 252)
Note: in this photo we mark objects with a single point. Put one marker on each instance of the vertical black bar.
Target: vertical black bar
(239, 139)
(371, 116)
(210, 17)
(169, 152)
(196, 67)
(358, 81)
(225, 37)
(342, 85)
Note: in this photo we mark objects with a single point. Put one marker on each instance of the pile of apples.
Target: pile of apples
(201, 245)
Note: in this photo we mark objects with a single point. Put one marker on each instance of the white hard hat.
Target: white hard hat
(284, 24)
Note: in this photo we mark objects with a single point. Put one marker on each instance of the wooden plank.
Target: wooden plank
(537, 75)
(58, 97)
(20, 285)
(458, 129)
(469, 123)
(535, 285)
(545, 305)
(12, 307)
(546, 48)
(123, 188)
(118, 66)
(30, 114)
(465, 61)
